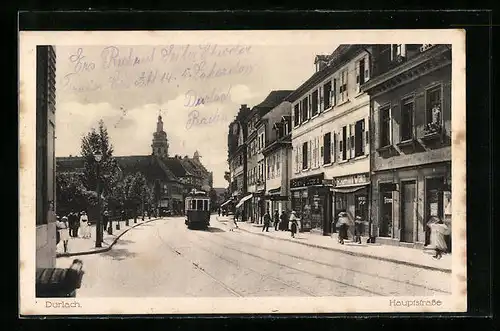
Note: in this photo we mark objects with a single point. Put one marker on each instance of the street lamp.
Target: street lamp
(98, 230)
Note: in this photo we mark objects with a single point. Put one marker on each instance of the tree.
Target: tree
(213, 198)
(97, 141)
(71, 194)
(137, 191)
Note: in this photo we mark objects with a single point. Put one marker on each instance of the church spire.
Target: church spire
(160, 141)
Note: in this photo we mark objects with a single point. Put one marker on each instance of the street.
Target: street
(164, 259)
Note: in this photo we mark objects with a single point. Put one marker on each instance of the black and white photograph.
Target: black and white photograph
(242, 172)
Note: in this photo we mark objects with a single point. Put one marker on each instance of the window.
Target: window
(199, 204)
(314, 103)
(327, 88)
(385, 126)
(343, 86)
(361, 73)
(433, 105)
(327, 155)
(305, 109)
(285, 128)
(398, 52)
(304, 155)
(205, 205)
(296, 115)
(407, 112)
(268, 168)
(278, 164)
(359, 148)
(343, 143)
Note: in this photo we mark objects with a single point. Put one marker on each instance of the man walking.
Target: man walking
(276, 220)
(267, 222)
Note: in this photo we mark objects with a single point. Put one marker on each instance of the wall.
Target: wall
(422, 153)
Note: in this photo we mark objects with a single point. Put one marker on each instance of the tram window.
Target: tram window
(199, 205)
(205, 205)
(193, 205)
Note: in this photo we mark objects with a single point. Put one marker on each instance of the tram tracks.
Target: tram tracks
(340, 267)
(234, 262)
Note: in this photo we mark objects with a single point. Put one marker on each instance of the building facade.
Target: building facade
(45, 157)
(278, 158)
(330, 163)
(411, 110)
(237, 157)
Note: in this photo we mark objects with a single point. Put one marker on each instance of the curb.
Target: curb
(386, 259)
(105, 249)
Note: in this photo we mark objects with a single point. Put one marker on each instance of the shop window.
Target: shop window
(385, 126)
(433, 108)
(327, 155)
(386, 208)
(296, 115)
(305, 109)
(434, 203)
(340, 203)
(314, 103)
(327, 88)
(304, 156)
(407, 113)
(359, 129)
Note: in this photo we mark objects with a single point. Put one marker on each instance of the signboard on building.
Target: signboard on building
(352, 180)
(307, 181)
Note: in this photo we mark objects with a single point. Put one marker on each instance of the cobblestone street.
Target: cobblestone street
(165, 259)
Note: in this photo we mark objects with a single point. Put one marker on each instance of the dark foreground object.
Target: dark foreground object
(58, 282)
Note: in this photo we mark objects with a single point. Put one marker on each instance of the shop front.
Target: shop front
(276, 201)
(404, 200)
(257, 207)
(311, 200)
(351, 195)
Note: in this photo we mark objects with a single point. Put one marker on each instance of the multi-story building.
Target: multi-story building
(330, 167)
(255, 206)
(45, 160)
(410, 93)
(237, 156)
(278, 157)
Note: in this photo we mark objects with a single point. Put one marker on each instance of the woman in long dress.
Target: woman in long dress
(438, 231)
(63, 228)
(84, 225)
(343, 224)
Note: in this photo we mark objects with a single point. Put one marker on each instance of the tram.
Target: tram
(197, 207)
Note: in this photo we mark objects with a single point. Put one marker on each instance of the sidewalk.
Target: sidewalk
(80, 246)
(401, 255)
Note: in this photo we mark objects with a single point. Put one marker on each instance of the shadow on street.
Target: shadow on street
(119, 254)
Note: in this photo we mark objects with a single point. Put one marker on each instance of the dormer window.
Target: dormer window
(398, 52)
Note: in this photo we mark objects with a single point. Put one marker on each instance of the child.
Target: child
(358, 229)
(294, 224)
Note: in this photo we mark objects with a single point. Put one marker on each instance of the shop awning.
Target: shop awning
(225, 203)
(245, 198)
(349, 188)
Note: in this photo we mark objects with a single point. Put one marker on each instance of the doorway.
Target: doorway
(409, 210)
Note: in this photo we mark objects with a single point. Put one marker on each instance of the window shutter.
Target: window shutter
(333, 92)
(309, 154)
(321, 99)
(346, 84)
(340, 145)
(309, 107)
(357, 76)
(334, 147)
(367, 135)
(367, 68)
(390, 125)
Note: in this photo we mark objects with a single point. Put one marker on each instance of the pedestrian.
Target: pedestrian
(276, 220)
(267, 222)
(58, 235)
(283, 221)
(294, 226)
(63, 228)
(343, 224)
(236, 214)
(84, 225)
(74, 224)
(438, 231)
(219, 211)
(358, 229)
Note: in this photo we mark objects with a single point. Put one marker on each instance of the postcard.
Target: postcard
(237, 172)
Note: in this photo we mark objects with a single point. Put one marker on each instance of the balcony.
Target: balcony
(432, 132)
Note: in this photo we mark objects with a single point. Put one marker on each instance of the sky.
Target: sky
(129, 86)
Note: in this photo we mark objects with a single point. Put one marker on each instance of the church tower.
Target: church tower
(160, 141)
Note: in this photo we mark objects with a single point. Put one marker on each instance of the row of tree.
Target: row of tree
(76, 191)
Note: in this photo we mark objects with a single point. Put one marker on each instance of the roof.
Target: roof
(219, 190)
(148, 165)
(336, 60)
(175, 165)
(69, 164)
(274, 98)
